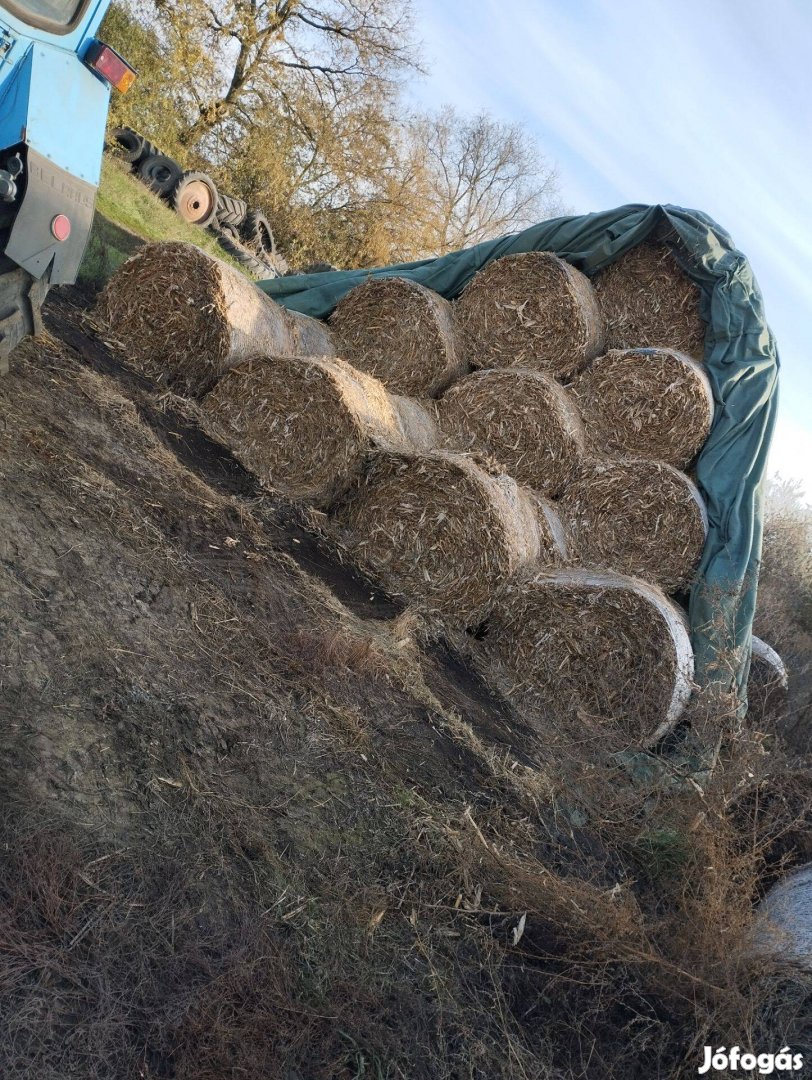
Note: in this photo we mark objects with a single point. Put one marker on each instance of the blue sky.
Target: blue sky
(704, 104)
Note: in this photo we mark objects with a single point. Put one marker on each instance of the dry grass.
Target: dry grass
(400, 332)
(650, 403)
(306, 426)
(185, 318)
(647, 300)
(607, 655)
(532, 310)
(440, 530)
(637, 517)
(522, 419)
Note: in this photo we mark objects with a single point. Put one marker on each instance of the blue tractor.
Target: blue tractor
(55, 80)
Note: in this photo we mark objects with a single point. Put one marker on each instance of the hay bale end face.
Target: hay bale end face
(400, 332)
(636, 517)
(647, 300)
(652, 403)
(186, 318)
(441, 531)
(767, 684)
(531, 310)
(522, 419)
(609, 652)
(307, 425)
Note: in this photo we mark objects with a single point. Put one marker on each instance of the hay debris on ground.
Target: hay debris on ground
(610, 652)
(185, 318)
(638, 517)
(401, 332)
(305, 425)
(441, 531)
(652, 403)
(522, 419)
(767, 684)
(531, 310)
(647, 299)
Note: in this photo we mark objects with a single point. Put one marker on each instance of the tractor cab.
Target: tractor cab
(55, 80)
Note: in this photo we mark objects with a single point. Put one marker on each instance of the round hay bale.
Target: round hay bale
(306, 425)
(522, 419)
(637, 517)
(767, 684)
(531, 310)
(652, 403)
(441, 531)
(186, 318)
(646, 299)
(598, 648)
(401, 332)
(783, 929)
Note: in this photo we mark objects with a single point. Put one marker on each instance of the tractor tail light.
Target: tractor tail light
(107, 63)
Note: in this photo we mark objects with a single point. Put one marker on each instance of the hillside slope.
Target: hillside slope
(256, 826)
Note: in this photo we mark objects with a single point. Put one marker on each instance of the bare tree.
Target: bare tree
(482, 178)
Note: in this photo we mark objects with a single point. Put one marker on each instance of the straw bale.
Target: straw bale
(646, 299)
(767, 684)
(306, 425)
(442, 531)
(652, 403)
(531, 310)
(636, 517)
(599, 649)
(783, 925)
(401, 332)
(522, 419)
(186, 318)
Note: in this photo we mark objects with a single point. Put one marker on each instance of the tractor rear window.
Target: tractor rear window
(57, 16)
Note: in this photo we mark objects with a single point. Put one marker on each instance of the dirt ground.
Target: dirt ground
(254, 825)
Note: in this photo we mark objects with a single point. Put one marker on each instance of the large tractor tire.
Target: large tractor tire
(129, 144)
(21, 300)
(160, 173)
(228, 241)
(195, 198)
(257, 235)
(231, 211)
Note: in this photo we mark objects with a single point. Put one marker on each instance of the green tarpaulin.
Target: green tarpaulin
(741, 360)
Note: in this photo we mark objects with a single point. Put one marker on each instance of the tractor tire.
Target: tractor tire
(228, 242)
(160, 173)
(129, 144)
(230, 211)
(21, 298)
(257, 235)
(195, 198)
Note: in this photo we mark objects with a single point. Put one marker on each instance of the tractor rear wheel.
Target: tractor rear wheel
(21, 298)
(195, 198)
(160, 173)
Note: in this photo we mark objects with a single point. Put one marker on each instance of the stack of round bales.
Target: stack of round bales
(400, 332)
(306, 426)
(186, 318)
